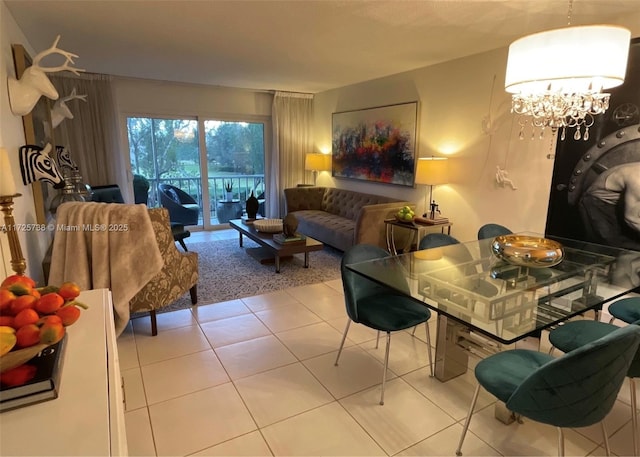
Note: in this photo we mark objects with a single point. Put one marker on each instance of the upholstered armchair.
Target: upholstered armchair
(183, 209)
(178, 275)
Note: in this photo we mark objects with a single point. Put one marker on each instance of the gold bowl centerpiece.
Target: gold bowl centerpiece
(527, 250)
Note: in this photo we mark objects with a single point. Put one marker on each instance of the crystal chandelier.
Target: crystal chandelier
(556, 77)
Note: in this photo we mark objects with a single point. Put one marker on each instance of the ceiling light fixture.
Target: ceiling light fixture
(556, 77)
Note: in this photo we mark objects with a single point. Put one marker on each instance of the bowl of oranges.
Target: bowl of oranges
(33, 318)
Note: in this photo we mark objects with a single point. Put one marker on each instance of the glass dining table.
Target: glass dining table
(484, 304)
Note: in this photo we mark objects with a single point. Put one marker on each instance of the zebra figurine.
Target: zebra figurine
(64, 159)
(36, 165)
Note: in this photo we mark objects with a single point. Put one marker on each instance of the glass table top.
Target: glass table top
(505, 302)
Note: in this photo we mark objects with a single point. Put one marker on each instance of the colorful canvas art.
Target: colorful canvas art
(376, 144)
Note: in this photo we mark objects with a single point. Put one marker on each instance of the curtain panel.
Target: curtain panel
(292, 116)
(91, 136)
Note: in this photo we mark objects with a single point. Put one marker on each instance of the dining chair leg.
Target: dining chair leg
(468, 420)
(426, 325)
(634, 416)
(413, 332)
(344, 337)
(386, 364)
(560, 442)
(607, 448)
(377, 338)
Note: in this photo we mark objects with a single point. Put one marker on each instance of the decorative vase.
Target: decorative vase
(252, 206)
(289, 225)
(229, 196)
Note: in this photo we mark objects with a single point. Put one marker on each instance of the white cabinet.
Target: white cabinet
(87, 418)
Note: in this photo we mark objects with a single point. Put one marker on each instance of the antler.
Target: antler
(72, 96)
(54, 50)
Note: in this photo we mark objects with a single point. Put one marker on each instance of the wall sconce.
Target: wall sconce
(315, 162)
(431, 171)
(7, 194)
(25, 92)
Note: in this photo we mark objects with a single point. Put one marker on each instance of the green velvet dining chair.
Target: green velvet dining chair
(577, 389)
(626, 309)
(379, 307)
(490, 231)
(575, 334)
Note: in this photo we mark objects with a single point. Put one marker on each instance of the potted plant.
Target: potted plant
(228, 186)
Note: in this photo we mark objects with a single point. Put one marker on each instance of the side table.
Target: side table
(417, 232)
(228, 209)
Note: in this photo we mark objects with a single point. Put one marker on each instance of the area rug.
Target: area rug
(227, 272)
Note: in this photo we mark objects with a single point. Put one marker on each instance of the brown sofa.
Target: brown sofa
(341, 218)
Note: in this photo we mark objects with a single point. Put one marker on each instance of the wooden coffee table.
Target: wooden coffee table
(270, 249)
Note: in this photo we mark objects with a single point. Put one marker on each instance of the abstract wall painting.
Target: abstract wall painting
(376, 144)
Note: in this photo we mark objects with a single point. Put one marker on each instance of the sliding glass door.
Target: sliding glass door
(217, 162)
(235, 166)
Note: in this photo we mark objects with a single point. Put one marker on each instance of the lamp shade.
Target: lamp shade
(7, 184)
(317, 161)
(568, 60)
(432, 171)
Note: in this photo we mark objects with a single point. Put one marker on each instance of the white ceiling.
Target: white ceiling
(304, 45)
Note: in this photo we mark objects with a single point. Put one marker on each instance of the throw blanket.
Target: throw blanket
(105, 245)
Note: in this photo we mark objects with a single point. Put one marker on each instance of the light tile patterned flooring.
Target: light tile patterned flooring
(256, 377)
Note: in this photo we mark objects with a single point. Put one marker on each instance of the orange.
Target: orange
(7, 321)
(26, 317)
(27, 336)
(49, 303)
(18, 279)
(6, 297)
(22, 302)
(69, 290)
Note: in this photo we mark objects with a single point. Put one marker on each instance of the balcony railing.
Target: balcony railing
(241, 190)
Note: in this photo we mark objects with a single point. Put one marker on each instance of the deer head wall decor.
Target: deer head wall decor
(61, 111)
(34, 83)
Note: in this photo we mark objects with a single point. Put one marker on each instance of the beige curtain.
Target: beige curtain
(91, 136)
(292, 116)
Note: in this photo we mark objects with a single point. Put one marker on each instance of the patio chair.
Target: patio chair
(183, 209)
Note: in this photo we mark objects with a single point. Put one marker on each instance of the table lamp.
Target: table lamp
(315, 162)
(431, 171)
(7, 194)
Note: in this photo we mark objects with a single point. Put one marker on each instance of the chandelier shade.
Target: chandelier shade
(557, 76)
(573, 59)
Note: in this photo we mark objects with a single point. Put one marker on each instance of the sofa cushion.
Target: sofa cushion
(333, 230)
(348, 203)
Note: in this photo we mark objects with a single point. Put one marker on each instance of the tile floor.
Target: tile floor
(256, 377)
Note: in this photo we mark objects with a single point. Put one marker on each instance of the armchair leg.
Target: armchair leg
(194, 294)
(386, 365)
(474, 399)
(344, 337)
(605, 435)
(154, 322)
(560, 442)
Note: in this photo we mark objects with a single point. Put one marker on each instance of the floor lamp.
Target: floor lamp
(431, 171)
(315, 162)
